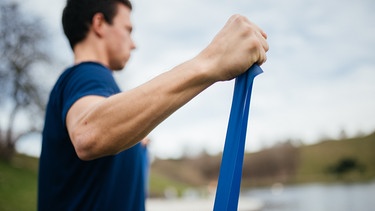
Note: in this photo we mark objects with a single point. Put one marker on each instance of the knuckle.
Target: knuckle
(255, 44)
(236, 17)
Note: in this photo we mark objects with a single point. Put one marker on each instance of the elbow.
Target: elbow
(83, 147)
(92, 142)
(84, 154)
(86, 145)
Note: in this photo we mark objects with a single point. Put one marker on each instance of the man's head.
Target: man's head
(78, 15)
(99, 30)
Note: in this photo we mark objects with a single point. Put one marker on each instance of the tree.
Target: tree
(21, 99)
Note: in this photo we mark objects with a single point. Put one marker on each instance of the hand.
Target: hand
(235, 48)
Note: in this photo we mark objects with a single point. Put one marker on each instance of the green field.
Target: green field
(18, 184)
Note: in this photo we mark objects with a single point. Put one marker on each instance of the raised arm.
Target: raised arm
(105, 126)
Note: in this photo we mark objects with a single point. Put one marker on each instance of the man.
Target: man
(91, 156)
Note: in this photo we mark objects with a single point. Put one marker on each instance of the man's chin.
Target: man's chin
(118, 67)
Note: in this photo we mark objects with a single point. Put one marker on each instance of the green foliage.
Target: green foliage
(344, 166)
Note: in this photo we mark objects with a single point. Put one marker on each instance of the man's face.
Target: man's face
(118, 39)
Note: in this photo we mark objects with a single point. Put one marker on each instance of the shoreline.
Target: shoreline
(198, 204)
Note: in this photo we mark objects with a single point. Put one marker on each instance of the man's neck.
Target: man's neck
(86, 51)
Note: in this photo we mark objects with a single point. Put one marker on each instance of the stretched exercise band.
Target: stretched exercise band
(228, 189)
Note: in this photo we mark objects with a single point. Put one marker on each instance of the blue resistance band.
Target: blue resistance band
(229, 184)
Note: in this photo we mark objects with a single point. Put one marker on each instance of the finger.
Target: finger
(260, 30)
(263, 33)
(263, 42)
(262, 57)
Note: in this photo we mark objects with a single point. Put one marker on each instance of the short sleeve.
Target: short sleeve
(84, 80)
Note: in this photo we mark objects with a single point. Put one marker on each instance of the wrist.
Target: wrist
(207, 67)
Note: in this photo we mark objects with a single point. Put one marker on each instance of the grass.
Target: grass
(18, 184)
(317, 158)
(159, 183)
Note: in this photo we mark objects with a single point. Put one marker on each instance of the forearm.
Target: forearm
(122, 120)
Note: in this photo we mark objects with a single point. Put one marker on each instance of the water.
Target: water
(316, 197)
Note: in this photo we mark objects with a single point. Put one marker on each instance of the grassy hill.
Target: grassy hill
(317, 160)
(348, 160)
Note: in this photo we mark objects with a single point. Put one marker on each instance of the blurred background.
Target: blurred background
(310, 142)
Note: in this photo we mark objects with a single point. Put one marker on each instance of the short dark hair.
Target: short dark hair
(77, 16)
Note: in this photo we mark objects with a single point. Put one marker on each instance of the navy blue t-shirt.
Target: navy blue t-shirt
(68, 183)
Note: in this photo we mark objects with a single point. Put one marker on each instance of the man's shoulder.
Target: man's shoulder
(83, 70)
(86, 68)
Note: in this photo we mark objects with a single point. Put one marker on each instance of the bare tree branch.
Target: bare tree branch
(21, 48)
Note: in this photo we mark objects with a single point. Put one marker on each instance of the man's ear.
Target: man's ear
(98, 24)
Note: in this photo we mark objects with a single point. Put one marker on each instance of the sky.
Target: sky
(319, 78)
